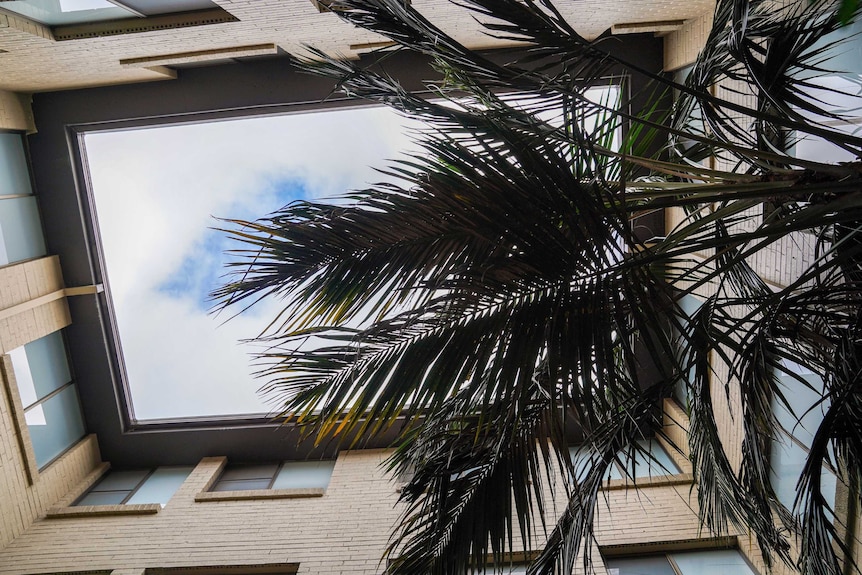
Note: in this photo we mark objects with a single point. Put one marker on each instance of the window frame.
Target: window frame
(279, 467)
(208, 493)
(27, 191)
(32, 466)
(220, 480)
(118, 26)
(689, 305)
(787, 439)
(678, 475)
(637, 552)
(68, 507)
(149, 473)
(210, 92)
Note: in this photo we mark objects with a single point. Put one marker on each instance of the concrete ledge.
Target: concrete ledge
(103, 510)
(259, 494)
(636, 549)
(641, 482)
(201, 56)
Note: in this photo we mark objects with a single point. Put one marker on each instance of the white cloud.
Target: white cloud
(156, 192)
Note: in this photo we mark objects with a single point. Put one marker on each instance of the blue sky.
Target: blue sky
(157, 192)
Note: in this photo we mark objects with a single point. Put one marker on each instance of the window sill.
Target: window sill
(640, 482)
(103, 510)
(259, 494)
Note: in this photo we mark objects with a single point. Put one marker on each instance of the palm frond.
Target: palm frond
(492, 298)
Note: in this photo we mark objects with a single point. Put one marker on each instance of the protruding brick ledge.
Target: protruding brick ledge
(254, 494)
(103, 510)
(655, 481)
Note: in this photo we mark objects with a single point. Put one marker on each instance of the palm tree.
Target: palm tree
(494, 300)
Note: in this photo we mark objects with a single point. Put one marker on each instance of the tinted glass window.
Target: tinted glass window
(52, 410)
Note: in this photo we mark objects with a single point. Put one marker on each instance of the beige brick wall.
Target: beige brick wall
(26, 493)
(31, 302)
(15, 112)
(344, 531)
(682, 46)
(34, 62)
(779, 263)
(22, 503)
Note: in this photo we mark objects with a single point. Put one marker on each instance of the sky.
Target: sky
(157, 193)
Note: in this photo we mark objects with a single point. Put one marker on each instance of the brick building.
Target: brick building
(172, 507)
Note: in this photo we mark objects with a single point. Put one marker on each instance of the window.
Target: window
(692, 116)
(799, 419)
(52, 410)
(836, 92)
(133, 487)
(68, 12)
(21, 235)
(688, 305)
(650, 460)
(149, 291)
(720, 562)
(285, 475)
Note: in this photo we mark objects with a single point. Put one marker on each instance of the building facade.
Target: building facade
(84, 488)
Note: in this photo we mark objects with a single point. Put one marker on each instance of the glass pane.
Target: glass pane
(21, 235)
(803, 398)
(689, 305)
(14, 174)
(786, 460)
(304, 474)
(614, 471)
(654, 460)
(64, 12)
(121, 480)
(63, 426)
(242, 485)
(249, 472)
(828, 485)
(723, 562)
(818, 149)
(161, 485)
(580, 461)
(846, 55)
(656, 463)
(35, 416)
(23, 376)
(656, 565)
(153, 7)
(48, 362)
(103, 498)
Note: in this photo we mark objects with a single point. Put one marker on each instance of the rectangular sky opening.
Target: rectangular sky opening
(157, 193)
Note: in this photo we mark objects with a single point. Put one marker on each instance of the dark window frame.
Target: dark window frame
(199, 94)
(278, 467)
(626, 457)
(693, 546)
(41, 400)
(93, 489)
